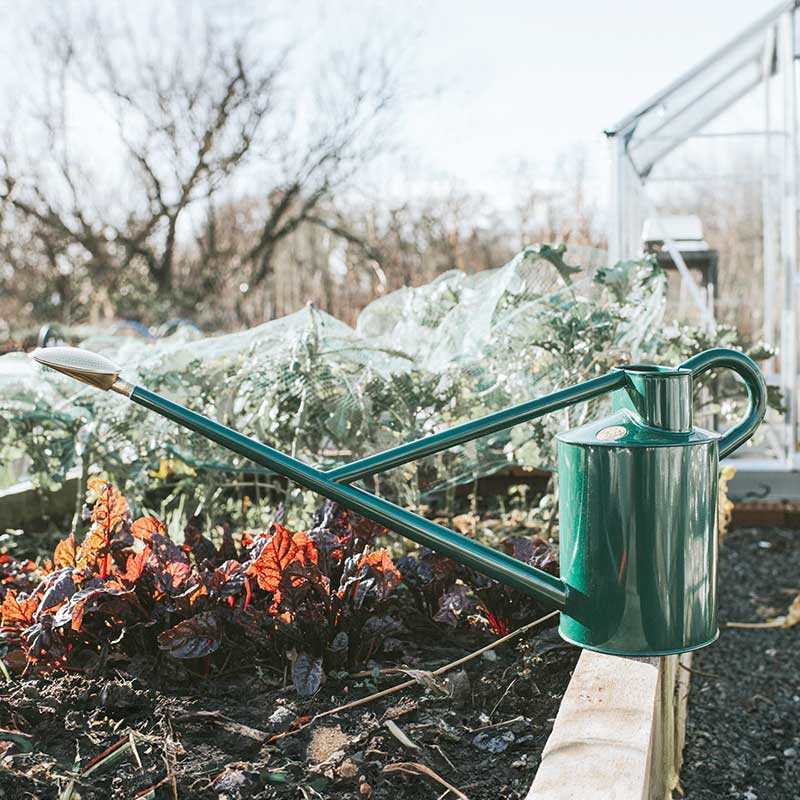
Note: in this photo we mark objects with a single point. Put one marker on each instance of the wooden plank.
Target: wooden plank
(681, 712)
(601, 742)
(663, 775)
(766, 514)
(669, 731)
(619, 732)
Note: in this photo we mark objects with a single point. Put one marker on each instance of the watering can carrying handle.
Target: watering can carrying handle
(746, 369)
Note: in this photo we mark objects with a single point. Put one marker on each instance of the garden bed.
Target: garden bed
(268, 664)
(440, 709)
(743, 732)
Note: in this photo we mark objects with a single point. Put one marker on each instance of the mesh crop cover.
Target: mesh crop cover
(419, 360)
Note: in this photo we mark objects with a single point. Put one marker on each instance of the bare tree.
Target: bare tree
(222, 189)
(558, 207)
(201, 116)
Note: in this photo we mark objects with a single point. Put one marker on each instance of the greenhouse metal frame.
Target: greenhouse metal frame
(760, 65)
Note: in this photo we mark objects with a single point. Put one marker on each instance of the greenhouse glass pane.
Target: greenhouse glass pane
(678, 121)
(700, 96)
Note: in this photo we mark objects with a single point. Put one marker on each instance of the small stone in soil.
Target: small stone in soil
(231, 781)
(281, 718)
(493, 742)
(347, 769)
(459, 688)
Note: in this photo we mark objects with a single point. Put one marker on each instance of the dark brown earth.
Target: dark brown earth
(482, 730)
(743, 734)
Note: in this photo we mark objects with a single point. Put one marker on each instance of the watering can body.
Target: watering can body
(638, 521)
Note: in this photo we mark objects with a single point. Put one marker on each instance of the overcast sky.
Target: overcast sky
(533, 77)
(521, 79)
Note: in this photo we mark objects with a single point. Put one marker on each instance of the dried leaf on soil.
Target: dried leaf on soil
(787, 620)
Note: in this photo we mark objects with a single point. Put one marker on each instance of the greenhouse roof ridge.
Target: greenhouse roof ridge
(628, 122)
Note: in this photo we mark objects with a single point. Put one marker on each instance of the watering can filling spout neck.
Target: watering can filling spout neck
(660, 396)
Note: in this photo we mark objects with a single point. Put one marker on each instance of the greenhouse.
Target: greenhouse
(743, 95)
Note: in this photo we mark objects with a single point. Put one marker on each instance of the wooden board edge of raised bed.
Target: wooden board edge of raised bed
(669, 732)
(619, 731)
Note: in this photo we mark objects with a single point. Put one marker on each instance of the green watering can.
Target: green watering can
(638, 497)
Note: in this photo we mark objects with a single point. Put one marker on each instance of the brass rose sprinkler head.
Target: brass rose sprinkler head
(84, 366)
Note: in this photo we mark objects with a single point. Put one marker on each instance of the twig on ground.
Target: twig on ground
(226, 723)
(306, 789)
(345, 707)
(407, 684)
(762, 699)
(370, 673)
(107, 757)
(502, 697)
(134, 751)
(752, 625)
(170, 759)
(496, 724)
(787, 620)
(693, 671)
(444, 756)
(413, 768)
(150, 791)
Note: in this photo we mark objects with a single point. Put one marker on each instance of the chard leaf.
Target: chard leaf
(193, 638)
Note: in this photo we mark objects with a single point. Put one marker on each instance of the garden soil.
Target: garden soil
(743, 734)
(184, 736)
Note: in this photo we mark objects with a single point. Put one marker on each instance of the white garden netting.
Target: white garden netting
(419, 359)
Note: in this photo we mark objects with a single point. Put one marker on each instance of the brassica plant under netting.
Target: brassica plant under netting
(420, 359)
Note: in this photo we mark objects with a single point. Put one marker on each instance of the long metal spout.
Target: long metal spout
(99, 372)
(500, 566)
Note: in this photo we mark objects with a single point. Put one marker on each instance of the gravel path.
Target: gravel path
(743, 732)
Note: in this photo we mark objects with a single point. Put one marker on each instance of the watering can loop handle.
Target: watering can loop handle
(746, 369)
